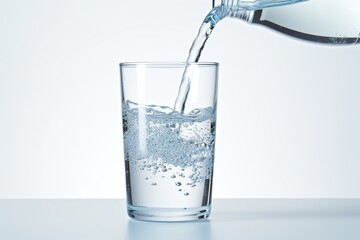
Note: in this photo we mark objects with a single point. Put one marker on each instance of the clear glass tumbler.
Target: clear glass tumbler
(168, 155)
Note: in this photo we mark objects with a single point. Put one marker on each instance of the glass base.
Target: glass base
(168, 214)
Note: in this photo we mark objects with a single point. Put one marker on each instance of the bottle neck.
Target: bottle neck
(238, 9)
(257, 4)
(245, 15)
(245, 9)
(229, 8)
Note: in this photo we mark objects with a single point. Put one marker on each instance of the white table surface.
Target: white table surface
(230, 219)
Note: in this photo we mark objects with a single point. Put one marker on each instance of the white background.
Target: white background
(288, 111)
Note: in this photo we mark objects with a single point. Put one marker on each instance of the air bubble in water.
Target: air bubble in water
(171, 142)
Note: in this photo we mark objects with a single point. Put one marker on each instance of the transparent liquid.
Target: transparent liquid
(194, 56)
(169, 156)
(206, 28)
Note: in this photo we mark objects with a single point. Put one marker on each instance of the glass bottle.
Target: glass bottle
(323, 21)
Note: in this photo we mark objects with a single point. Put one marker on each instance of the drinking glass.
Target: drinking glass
(168, 154)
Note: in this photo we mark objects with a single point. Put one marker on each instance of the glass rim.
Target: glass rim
(167, 64)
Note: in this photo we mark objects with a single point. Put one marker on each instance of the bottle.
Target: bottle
(322, 21)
